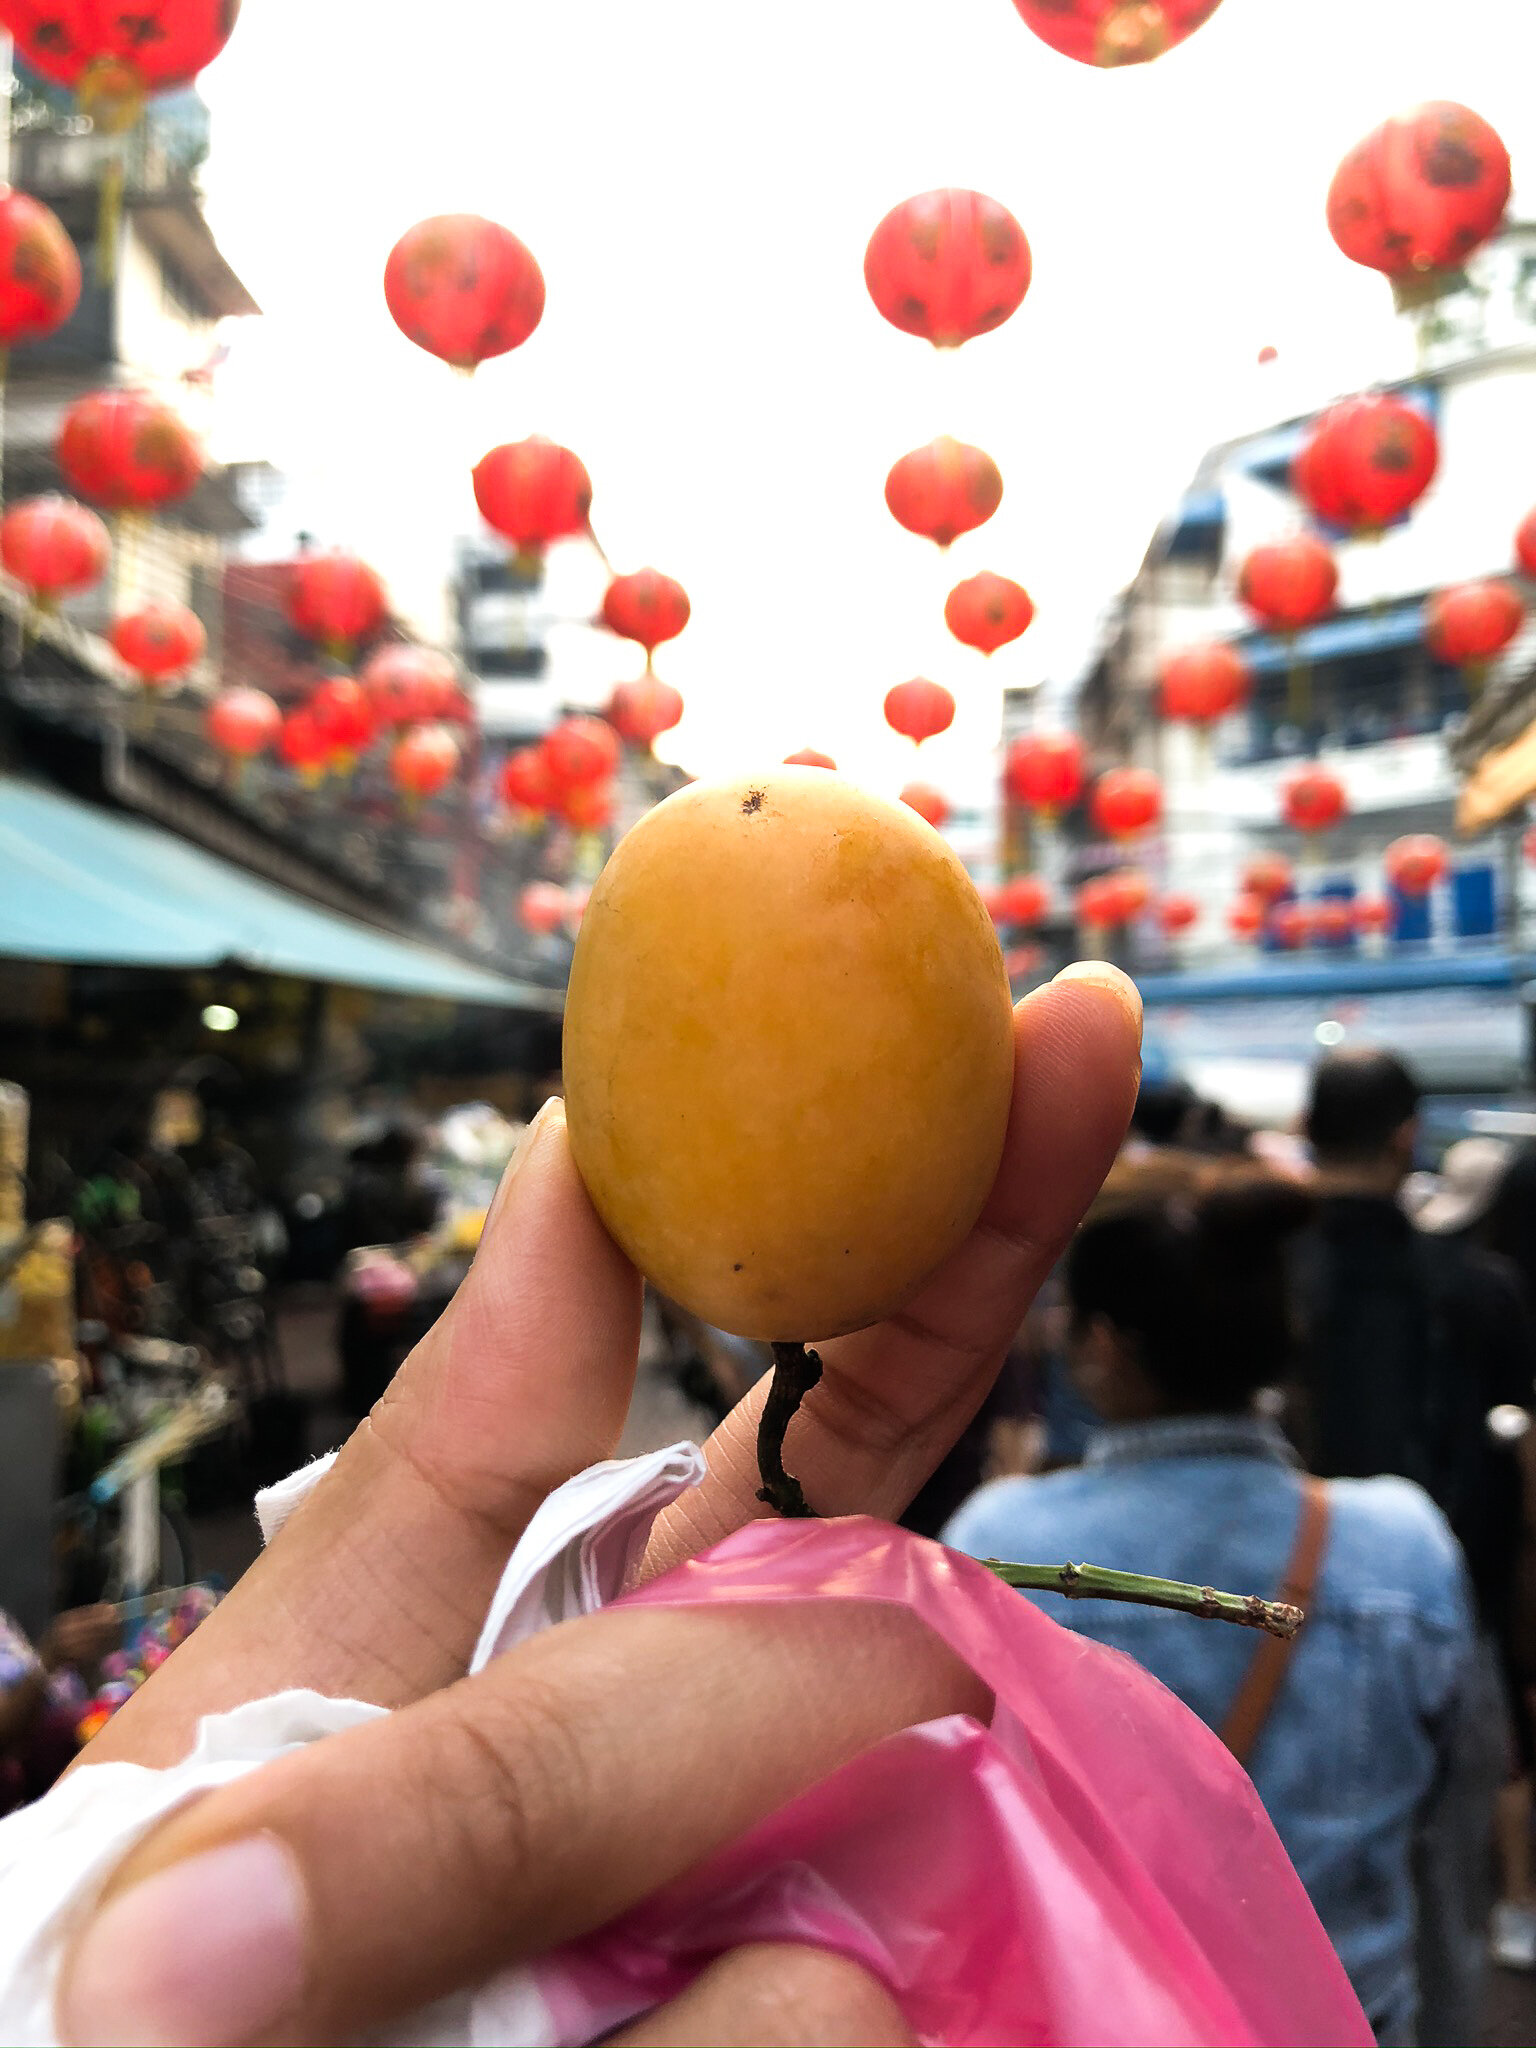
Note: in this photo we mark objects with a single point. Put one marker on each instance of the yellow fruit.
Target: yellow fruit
(788, 1052)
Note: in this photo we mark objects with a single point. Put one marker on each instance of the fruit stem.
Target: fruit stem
(795, 1372)
(1093, 1582)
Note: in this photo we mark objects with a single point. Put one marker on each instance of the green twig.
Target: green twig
(1092, 1582)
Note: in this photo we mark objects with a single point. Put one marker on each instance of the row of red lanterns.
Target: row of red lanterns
(1045, 773)
(466, 289)
(947, 266)
(568, 775)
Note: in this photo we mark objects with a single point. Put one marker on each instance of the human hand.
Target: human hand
(80, 1637)
(356, 1880)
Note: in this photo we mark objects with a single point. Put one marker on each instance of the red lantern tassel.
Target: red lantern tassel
(109, 213)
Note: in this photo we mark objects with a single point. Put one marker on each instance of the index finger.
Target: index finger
(349, 1883)
(893, 1399)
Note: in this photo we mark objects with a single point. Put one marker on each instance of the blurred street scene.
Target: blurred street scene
(329, 681)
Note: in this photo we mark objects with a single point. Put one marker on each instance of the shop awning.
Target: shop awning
(84, 885)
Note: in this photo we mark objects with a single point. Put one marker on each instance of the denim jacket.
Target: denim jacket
(1357, 1738)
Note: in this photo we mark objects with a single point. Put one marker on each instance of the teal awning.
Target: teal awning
(88, 886)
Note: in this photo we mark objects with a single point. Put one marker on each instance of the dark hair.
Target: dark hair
(1162, 1109)
(1361, 1097)
(1199, 1281)
(1509, 1227)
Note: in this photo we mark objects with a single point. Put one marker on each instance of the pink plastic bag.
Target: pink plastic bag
(1095, 1868)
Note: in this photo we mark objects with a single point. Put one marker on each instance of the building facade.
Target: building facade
(1360, 693)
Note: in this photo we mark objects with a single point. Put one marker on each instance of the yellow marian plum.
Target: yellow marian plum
(788, 1052)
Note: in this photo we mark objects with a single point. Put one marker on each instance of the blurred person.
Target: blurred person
(1486, 1489)
(1166, 1107)
(1508, 1227)
(1282, 1152)
(386, 1198)
(42, 1691)
(1365, 1369)
(1362, 1736)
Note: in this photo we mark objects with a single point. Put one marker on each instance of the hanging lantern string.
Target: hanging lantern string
(599, 550)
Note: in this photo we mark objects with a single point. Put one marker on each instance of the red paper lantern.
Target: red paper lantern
(53, 546)
(302, 745)
(646, 606)
(1176, 914)
(1365, 462)
(335, 599)
(1127, 802)
(1114, 32)
(533, 492)
(643, 710)
(1313, 800)
(1268, 876)
(525, 781)
(159, 641)
(928, 802)
(1290, 925)
(1414, 864)
(243, 722)
(1095, 906)
(463, 288)
(1204, 683)
(1246, 917)
(807, 757)
(1333, 920)
(1023, 900)
(947, 266)
(919, 709)
(1109, 901)
(343, 713)
(1132, 891)
(543, 907)
(409, 685)
(1470, 623)
(988, 611)
(1289, 583)
(113, 56)
(1044, 770)
(579, 752)
(1420, 193)
(943, 490)
(1525, 543)
(127, 451)
(587, 806)
(424, 761)
(39, 270)
(1372, 914)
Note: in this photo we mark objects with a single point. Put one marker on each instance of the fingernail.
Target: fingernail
(551, 1112)
(1101, 974)
(210, 1951)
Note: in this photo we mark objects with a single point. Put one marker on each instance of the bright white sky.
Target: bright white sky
(698, 180)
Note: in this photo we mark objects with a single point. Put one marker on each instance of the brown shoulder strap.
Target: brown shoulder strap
(1261, 1683)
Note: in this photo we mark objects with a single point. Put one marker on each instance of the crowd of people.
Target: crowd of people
(1284, 1376)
